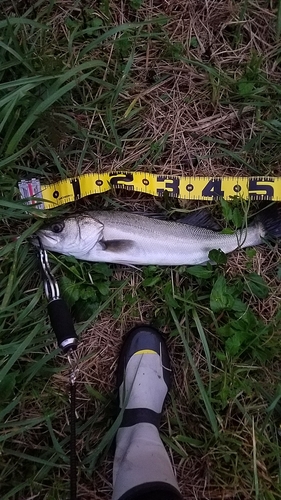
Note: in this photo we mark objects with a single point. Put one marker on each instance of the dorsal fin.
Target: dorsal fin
(200, 218)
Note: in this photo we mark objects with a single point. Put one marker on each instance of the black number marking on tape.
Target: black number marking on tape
(213, 189)
(117, 179)
(255, 189)
(76, 188)
(170, 183)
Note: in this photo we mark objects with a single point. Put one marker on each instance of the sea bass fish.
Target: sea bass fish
(125, 238)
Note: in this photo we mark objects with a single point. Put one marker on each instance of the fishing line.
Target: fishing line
(46, 196)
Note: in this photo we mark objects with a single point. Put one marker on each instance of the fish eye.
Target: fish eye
(57, 227)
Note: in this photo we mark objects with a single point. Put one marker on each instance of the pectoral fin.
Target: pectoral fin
(116, 246)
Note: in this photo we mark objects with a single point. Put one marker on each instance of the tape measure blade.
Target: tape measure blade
(183, 187)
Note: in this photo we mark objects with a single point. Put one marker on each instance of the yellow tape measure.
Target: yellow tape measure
(186, 188)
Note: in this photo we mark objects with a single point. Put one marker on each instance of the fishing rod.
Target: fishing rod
(62, 324)
(60, 316)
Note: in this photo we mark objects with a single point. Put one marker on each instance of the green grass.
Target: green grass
(87, 91)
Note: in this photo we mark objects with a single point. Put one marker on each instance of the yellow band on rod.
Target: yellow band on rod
(145, 351)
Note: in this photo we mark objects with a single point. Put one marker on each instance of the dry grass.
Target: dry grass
(180, 103)
(263, 263)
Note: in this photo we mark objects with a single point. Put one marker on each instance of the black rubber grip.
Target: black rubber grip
(62, 324)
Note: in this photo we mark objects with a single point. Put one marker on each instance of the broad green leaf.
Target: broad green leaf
(103, 287)
(200, 272)
(245, 88)
(217, 256)
(220, 298)
(70, 290)
(87, 293)
(233, 344)
(237, 217)
(226, 209)
(251, 252)
(256, 285)
(151, 281)
(227, 230)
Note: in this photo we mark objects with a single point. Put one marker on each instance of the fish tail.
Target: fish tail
(270, 218)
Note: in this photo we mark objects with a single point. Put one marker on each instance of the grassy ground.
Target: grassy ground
(175, 87)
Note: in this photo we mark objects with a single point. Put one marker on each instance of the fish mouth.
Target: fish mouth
(37, 239)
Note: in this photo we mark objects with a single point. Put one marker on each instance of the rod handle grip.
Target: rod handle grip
(62, 324)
